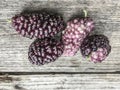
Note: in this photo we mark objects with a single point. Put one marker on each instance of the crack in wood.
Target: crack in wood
(18, 87)
(6, 78)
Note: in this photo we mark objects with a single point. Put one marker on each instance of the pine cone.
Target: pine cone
(74, 34)
(96, 47)
(43, 51)
(38, 25)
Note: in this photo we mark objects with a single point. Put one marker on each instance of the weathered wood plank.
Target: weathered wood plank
(13, 47)
(61, 82)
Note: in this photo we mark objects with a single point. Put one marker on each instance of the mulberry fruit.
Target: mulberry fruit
(96, 47)
(46, 50)
(74, 34)
(38, 25)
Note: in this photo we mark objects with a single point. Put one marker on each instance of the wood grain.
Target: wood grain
(66, 73)
(62, 82)
(14, 48)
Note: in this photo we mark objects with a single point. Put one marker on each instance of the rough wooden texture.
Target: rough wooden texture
(70, 73)
(61, 82)
(14, 48)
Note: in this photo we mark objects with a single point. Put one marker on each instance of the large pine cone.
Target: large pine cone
(38, 25)
(74, 34)
(46, 50)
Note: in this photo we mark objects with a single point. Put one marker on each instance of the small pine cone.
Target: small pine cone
(96, 47)
(43, 51)
(74, 34)
(38, 25)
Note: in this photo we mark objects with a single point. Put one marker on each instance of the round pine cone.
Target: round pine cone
(74, 34)
(38, 25)
(43, 51)
(96, 47)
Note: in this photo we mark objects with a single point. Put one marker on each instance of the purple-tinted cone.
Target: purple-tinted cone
(96, 47)
(43, 51)
(74, 34)
(38, 25)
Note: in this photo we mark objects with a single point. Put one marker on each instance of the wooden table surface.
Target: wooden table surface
(67, 73)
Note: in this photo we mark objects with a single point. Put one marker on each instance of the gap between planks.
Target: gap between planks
(54, 73)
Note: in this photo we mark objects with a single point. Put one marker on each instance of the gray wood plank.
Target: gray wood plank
(14, 48)
(61, 82)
